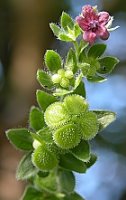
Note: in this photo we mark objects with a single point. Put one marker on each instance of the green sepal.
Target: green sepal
(20, 138)
(66, 180)
(82, 151)
(44, 79)
(91, 162)
(107, 64)
(104, 118)
(32, 193)
(36, 119)
(25, 168)
(96, 78)
(69, 162)
(44, 99)
(53, 61)
(56, 30)
(66, 21)
(96, 50)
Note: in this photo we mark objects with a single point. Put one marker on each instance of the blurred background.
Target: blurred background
(24, 37)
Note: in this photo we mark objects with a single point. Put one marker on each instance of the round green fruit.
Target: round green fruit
(43, 159)
(75, 104)
(67, 137)
(89, 125)
(55, 115)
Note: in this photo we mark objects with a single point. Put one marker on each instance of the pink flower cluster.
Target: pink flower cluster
(93, 24)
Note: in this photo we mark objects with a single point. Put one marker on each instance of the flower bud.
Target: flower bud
(69, 74)
(65, 83)
(56, 78)
(61, 72)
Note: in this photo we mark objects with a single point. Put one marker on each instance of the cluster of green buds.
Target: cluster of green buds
(63, 78)
(57, 141)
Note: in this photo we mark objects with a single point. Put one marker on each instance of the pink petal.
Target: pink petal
(82, 23)
(103, 33)
(89, 13)
(103, 18)
(89, 36)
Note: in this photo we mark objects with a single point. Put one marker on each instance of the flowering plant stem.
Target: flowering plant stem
(57, 141)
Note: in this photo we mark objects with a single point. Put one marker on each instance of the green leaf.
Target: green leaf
(36, 118)
(80, 90)
(104, 118)
(69, 162)
(96, 79)
(32, 194)
(77, 30)
(44, 99)
(96, 50)
(66, 21)
(71, 63)
(73, 196)
(25, 169)
(83, 44)
(20, 138)
(82, 151)
(56, 30)
(93, 159)
(44, 79)
(66, 181)
(107, 64)
(65, 37)
(53, 61)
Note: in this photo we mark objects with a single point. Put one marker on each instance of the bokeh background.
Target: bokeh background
(24, 37)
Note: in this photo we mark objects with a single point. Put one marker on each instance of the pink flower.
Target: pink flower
(93, 24)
